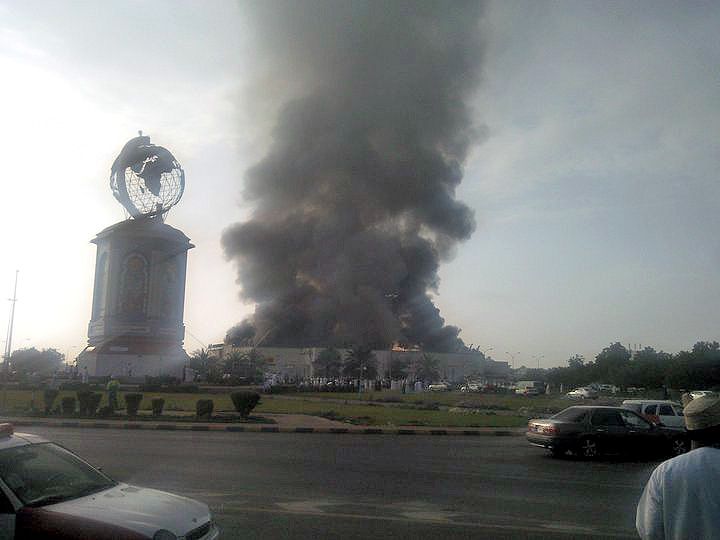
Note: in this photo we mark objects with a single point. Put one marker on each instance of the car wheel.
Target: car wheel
(588, 448)
(679, 446)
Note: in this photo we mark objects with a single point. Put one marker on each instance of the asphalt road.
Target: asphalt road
(362, 486)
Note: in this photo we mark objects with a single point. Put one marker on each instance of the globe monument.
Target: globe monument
(136, 325)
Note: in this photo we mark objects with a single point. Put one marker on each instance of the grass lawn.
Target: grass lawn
(377, 415)
(513, 411)
(508, 402)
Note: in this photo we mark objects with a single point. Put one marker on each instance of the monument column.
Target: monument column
(136, 324)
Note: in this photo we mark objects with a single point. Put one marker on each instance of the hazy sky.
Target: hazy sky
(596, 188)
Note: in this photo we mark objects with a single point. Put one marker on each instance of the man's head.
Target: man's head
(702, 418)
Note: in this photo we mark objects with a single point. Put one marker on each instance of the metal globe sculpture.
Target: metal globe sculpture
(146, 179)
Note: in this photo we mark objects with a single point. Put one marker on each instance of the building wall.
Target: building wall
(297, 363)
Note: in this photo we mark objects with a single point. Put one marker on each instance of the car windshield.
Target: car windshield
(41, 474)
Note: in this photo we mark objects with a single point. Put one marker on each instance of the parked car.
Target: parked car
(439, 387)
(471, 387)
(667, 413)
(46, 491)
(589, 431)
(583, 393)
(530, 388)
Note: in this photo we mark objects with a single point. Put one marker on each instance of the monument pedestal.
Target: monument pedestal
(136, 327)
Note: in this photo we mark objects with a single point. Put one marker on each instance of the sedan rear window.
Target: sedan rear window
(571, 415)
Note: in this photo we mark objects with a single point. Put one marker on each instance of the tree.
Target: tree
(398, 368)
(611, 363)
(576, 374)
(328, 363)
(648, 368)
(425, 368)
(576, 361)
(29, 361)
(360, 363)
(248, 365)
(695, 370)
(206, 365)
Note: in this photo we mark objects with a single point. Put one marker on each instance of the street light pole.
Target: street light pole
(538, 357)
(8, 342)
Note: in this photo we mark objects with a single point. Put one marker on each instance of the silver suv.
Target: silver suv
(668, 413)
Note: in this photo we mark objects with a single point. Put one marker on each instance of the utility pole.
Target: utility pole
(538, 357)
(8, 342)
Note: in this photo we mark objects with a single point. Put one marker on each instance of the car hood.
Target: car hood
(142, 510)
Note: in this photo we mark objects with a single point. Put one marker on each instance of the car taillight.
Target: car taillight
(549, 430)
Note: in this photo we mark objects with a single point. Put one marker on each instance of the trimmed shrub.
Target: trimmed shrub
(73, 386)
(245, 402)
(204, 408)
(88, 402)
(94, 403)
(67, 405)
(49, 397)
(105, 412)
(158, 404)
(132, 403)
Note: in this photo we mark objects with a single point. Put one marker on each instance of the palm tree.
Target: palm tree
(206, 365)
(328, 363)
(426, 368)
(248, 365)
(398, 368)
(360, 363)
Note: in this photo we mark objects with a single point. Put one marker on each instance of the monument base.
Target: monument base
(135, 360)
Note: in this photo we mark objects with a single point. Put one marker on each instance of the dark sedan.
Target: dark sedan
(591, 431)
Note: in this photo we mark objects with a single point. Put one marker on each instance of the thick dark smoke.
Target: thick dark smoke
(355, 201)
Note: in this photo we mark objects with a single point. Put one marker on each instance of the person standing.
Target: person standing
(682, 496)
(112, 389)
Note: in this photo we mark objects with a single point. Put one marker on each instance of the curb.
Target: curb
(359, 430)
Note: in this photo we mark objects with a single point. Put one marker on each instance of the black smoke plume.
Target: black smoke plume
(354, 204)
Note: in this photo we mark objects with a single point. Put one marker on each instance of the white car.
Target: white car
(439, 387)
(46, 491)
(582, 393)
(666, 412)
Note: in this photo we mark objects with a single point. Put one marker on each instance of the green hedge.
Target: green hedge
(158, 404)
(49, 397)
(245, 402)
(132, 403)
(67, 405)
(204, 408)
